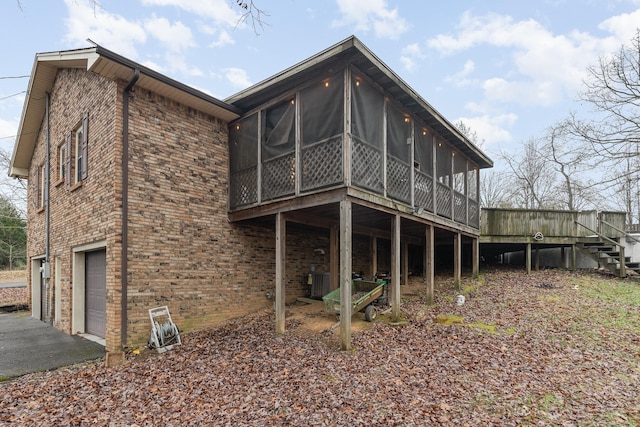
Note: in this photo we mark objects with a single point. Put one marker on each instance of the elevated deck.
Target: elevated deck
(514, 230)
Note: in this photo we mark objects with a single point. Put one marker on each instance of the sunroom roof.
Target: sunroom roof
(353, 51)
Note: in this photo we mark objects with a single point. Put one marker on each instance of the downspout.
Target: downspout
(125, 204)
(47, 266)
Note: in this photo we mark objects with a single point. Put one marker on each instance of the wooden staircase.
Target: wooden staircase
(608, 253)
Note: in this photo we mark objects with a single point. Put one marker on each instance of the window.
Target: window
(77, 149)
(40, 188)
(75, 162)
(61, 157)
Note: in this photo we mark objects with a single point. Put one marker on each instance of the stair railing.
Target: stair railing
(623, 263)
(620, 231)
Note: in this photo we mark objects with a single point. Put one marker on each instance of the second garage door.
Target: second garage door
(96, 292)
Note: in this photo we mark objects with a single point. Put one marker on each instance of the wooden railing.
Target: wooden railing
(525, 223)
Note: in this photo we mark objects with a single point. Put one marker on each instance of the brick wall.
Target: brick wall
(86, 213)
(183, 252)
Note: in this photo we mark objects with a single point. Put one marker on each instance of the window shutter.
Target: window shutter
(37, 198)
(85, 139)
(67, 161)
(45, 185)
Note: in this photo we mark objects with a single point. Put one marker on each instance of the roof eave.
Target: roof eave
(363, 51)
(109, 64)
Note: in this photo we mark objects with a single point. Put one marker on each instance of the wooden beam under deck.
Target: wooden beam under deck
(281, 249)
(395, 269)
(345, 274)
(429, 262)
(358, 197)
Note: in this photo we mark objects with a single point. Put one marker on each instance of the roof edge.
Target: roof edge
(296, 68)
(87, 58)
(108, 54)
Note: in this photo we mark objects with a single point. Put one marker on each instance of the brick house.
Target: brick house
(143, 191)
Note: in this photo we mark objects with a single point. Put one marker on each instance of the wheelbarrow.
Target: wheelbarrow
(363, 294)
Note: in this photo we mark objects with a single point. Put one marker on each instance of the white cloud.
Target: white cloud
(623, 26)
(176, 37)
(371, 14)
(237, 77)
(178, 64)
(545, 68)
(491, 129)
(411, 54)
(218, 11)
(87, 19)
(460, 78)
(224, 39)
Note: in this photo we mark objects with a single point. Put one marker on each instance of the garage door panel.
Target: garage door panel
(95, 293)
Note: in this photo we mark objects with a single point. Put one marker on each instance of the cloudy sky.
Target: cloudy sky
(508, 69)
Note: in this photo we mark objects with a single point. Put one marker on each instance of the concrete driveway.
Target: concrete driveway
(28, 345)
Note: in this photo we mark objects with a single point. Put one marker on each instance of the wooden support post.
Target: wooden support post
(281, 246)
(345, 274)
(405, 263)
(572, 261)
(623, 263)
(475, 255)
(334, 252)
(428, 262)
(395, 268)
(374, 256)
(457, 259)
(527, 257)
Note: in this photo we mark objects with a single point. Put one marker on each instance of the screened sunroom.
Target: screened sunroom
(340, 143)
(344, 127)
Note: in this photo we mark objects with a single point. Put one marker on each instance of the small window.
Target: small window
(62, 156)
(77, 150)
(74, 167)
(40, 190)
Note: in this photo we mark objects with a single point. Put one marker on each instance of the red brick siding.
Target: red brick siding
(88, 213)
(183, 252)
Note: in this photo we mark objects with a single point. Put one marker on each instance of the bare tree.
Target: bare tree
(471, 134)
(573, 160)
(613, 90)
(533, 179)
(627, 189)
(253, 14)
(13, 190)
(494, 190)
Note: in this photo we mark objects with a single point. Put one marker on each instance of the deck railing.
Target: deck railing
(321, 165)
(550, 223)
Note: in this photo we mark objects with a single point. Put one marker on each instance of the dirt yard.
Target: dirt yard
(13, 276)
(548, 349)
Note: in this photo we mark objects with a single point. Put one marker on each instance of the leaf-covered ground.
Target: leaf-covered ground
(13, 296)
(552, 348)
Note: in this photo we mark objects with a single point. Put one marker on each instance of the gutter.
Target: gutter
(148, 72)
(124, 273)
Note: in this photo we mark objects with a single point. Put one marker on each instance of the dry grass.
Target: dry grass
(13, 276)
